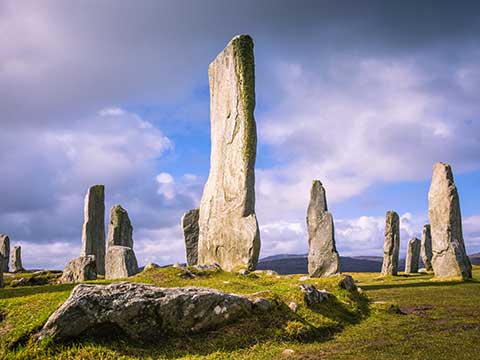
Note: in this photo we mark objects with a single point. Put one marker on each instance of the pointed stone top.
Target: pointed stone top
(443, 170)
(318, 197)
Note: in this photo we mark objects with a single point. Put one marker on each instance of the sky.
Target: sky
(365, 96)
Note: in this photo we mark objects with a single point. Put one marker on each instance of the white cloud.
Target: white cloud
(166, 185)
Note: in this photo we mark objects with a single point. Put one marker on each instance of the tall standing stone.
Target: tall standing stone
(413, 255)
(17, 259)
(391, 245)
(449, 255)
(426, 248)
(5, 250)
(228, 228)
(120, 228)
(190, 235)
(93, 232)
(323, 259)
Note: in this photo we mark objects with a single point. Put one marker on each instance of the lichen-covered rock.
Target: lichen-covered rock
(391, 245)
(17, 259)
(150, 266)
(5, 250)
(93, 231)
(312, 296)
(79, 269)
(144, 312)
(426, 248)
(413, 255)
(120, 262)
(120, 228)
(323, 258)
(190, 235)
(228, 228)
(449, 255)
(346, 282)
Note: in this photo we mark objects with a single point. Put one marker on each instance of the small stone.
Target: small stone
(288, 352)
(314, 296)
(413, 255)
(304, 278)
(242, 272)
(5, 251)
(120, 262)
(190, 235)
(120, 228)
(422, 271)
(180, 266)
(80, 269)
(346, 282)
(392, 244)
(271, 273)
(17, 259)
(293, 306)
(426, 248)
(150, 266)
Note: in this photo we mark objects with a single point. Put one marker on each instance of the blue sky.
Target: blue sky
(365, 98)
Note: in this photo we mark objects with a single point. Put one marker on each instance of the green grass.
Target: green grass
(407, 317)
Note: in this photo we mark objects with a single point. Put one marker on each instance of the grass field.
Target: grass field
(394, 318)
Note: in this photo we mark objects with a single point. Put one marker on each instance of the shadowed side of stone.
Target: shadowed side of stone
(5, 251)
(190, 235)
(391, 246)
(426, 247)
(143, 312)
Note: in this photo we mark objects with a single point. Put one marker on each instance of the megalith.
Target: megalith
(413, 255)
(323, 258)
(93, 231)
(120, 262)
(228, 228)
(426, 248)
(5, 250)
(190, 235)
(391, 245)
(17, 259)
(449, 255)
(79, 269)
(120, 228)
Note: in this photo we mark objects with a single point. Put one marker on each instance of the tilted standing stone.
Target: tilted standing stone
(5, 250)
(120, 263)
(190, 235)
(229, 233)
(391, 246)
(93, 232)
(449, 255)
(413, 255)
(426, 248)
(17, 259)
(120, 228)
(323, 259)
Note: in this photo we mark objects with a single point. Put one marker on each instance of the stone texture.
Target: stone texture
(79, 269)
(449, 255)
(17, 259)
(426, 248)
(144, 312)
(391, 245)
(120, 262)
(323, 258)
(190, 235)
(346, 282)
(228, 228)
(1, 271)
(5, 250)
(312, 296)
(119, 229)
(93, 232)
(150, 266)
(413, 255)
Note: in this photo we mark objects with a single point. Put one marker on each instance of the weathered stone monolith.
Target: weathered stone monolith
(449, 255)
(93, 232)
(190, 235)
(391, 245)
(17, 259)
(5, 250)
(120, 262)
(323, 259)
(413, 255)
(119, 229)
(228, 228)
(426, 248)
(79, 269)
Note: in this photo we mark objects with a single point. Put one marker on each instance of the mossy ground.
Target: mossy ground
(407, 317)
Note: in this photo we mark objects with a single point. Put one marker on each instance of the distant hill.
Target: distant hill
(475, 258)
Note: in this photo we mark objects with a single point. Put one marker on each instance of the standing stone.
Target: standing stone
(323, 259)
(119, 229)
(120, 262)
(5, 250)
(190, 235)
(1, 271)
(413, 255)
(93, 232)
(228, 228)
(80, 269)
(449, 255)
(391, 246)
(17, 259)
(426, 248)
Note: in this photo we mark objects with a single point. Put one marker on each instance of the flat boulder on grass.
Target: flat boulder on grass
(143, 312)
(120, 262)
(79, 269)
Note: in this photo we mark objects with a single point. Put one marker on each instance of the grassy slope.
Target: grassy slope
(432, 320)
